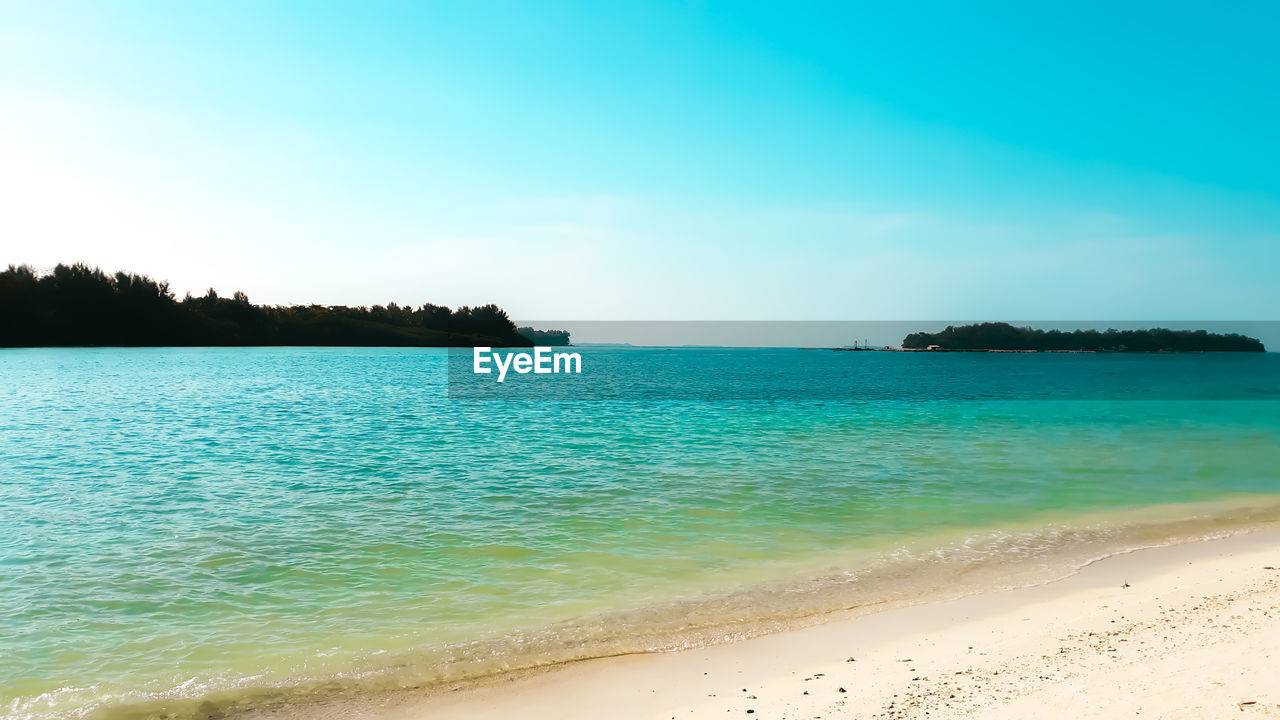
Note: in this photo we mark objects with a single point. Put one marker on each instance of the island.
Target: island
(1003, 337)
(79, 305)
(558, 338)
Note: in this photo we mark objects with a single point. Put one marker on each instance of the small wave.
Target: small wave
(856, 579)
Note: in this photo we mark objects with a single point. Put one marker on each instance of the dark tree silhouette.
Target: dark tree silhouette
(1003, 336)
(545, 337)
(81, 305)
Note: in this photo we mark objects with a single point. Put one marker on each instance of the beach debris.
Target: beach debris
(1126, 584)
(1267, 567)
(1245, 703)
(850, 660)
(842, 690)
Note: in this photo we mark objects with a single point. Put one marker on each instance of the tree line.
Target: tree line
(1003, 336)
(544, 337)
(82, 305)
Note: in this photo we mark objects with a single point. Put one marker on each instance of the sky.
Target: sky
(656, 160)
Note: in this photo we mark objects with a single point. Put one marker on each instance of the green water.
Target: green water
(253, 526)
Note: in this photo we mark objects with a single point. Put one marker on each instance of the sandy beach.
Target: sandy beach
(1186, 631)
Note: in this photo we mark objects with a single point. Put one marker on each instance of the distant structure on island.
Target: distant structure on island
(859, 345)
(1003, 337)
(81, 305)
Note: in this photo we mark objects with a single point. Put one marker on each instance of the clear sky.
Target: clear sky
(616, 160)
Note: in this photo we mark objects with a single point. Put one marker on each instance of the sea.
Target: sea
(201, 532)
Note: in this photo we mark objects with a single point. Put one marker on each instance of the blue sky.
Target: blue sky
(697, 160)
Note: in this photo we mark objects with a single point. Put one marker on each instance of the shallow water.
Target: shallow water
(261, 525)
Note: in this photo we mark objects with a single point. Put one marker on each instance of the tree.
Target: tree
(81, 305)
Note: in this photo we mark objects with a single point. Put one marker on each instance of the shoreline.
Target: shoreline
(1159, 629)
(926, 571)
(1049, 352)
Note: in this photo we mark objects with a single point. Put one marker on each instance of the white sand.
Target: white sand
(1196, 634)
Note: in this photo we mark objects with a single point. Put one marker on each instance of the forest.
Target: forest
(75, 305)
(545, 337)
(1003, 336)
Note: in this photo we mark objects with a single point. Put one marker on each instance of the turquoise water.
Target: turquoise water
(183, 529)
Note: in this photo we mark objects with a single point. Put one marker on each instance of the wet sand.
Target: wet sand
(1188, 631)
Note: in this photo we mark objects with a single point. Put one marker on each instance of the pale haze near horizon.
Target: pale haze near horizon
(654, 161)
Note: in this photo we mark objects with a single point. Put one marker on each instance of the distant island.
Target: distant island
(80, 305)
(1005, 337)
(544, 337)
